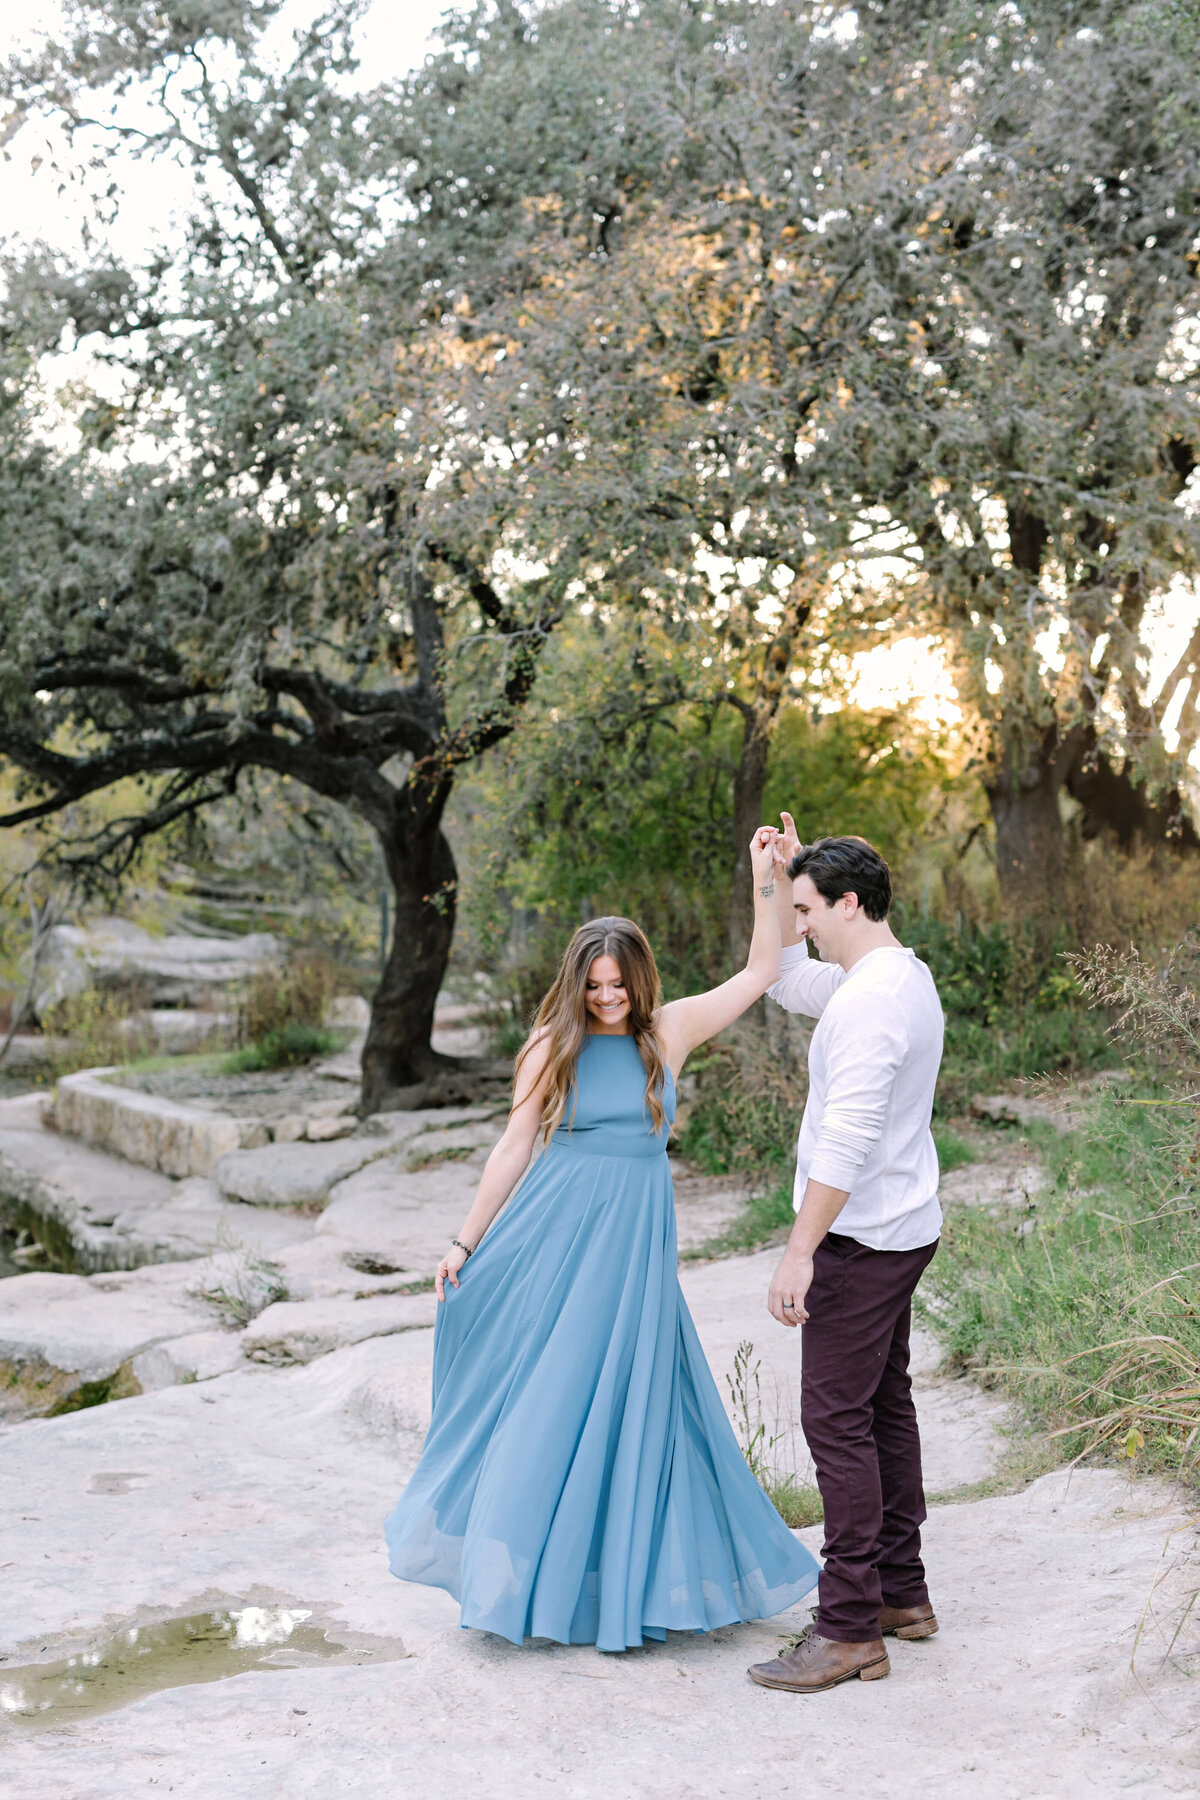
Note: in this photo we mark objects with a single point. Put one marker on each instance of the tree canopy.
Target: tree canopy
(776, 328)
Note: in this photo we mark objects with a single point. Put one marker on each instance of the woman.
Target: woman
(580, 1480)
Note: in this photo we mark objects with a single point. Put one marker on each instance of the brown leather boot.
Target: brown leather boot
(907, 1621)
(818, 1663)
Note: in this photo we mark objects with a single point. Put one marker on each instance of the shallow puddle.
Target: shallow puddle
(145, 1659)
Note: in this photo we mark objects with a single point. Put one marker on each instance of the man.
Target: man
(867, 1225)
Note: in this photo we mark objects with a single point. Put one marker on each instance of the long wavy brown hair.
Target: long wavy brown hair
(563, 1013)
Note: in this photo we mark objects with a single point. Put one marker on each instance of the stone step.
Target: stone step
(178, 1139)
(94, 1211)
(305, 1174)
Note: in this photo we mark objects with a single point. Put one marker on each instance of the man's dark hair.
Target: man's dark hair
(846, 865)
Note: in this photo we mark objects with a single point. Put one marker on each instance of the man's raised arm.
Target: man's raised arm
(804, 985)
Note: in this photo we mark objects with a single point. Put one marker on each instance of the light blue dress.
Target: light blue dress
(580, 1480)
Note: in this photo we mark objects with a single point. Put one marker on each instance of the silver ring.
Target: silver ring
(789, 1306)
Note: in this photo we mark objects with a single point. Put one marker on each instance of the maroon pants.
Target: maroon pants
(861, 1426)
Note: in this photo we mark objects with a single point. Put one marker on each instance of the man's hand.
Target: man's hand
(793, 1278)
(789, 841)
(789, 1288)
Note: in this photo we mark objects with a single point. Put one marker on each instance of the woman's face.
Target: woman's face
(604, 995)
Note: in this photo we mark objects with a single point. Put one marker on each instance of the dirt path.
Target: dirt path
(268, 1486)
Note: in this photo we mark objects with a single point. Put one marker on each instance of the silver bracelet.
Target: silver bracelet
(459, 1245)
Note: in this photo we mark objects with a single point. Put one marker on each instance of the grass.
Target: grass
(433, 1159)
(423, 1284)
(953, 1152)
(201, 1062)
(765, 1219)
(1085, 1305)
(768, 1213)
(291, 1044)
(797, 1502)
(120, 1385)
(1022, 1460)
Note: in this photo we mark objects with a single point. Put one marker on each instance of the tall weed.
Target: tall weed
(797, 1501)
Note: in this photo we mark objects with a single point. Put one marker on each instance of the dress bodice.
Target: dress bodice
(606, 1111)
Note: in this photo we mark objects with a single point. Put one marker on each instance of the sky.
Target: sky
(394, 36)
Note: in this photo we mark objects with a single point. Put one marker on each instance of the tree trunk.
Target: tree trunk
(400, 1068)
(1030, 851)
(1030, 842)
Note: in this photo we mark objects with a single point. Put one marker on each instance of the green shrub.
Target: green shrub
(1013, 1006)
(745, 1116)
(284, 1048)
(766, 1218)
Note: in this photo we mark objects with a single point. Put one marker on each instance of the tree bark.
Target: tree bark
(1022, 788)
(400, 1068)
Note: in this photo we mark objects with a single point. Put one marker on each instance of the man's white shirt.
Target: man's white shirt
(873, 1064)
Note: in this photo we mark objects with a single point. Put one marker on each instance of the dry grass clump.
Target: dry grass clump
(1149, 897)
(1156, 1000)
(1152, 1385)
(238, 1285)
(275, 998)
(94, 1029)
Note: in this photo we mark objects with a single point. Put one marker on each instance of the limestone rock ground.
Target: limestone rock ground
(270, 1482)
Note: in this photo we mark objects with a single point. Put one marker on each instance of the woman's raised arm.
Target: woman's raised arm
(685, 1023)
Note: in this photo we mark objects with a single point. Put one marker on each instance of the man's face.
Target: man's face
(817, 919)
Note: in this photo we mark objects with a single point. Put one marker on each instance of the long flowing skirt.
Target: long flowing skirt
(580, 1480)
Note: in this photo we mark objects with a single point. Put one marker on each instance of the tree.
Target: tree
(632, 297)
(1024, 401)
(247, 565)
(895, 286)
(626, 804)
(658, 312)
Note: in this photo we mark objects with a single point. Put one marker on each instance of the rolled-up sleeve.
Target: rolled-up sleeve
(805, 985)
(861, 1060)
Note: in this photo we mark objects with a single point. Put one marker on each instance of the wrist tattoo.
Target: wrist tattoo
(767, 891)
